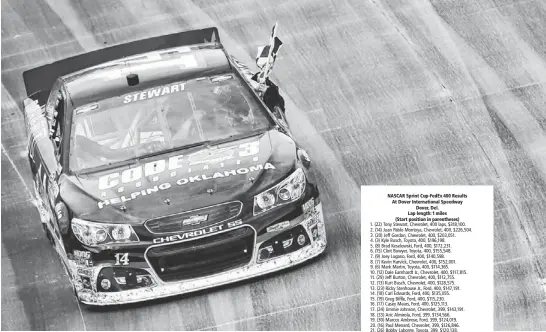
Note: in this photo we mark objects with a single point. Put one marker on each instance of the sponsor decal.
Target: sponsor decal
(53, 191)
(83, 258)
(155, 168)
(196, 233)
(277, 227)
(313, 220)
(195, 220)
(85, 272)
(308, 207)
(47, 191)
(221, 78)
(82, 254)
(184, 181)
(153, 93)
(211, 157)
(87, 108)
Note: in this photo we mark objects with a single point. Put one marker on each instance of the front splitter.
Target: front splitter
(252, 270)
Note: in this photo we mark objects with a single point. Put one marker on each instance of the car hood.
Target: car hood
(182, 180)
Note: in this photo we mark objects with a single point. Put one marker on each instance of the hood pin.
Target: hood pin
(168, 201)
(210, 191)
(123, 208)
(251, 179)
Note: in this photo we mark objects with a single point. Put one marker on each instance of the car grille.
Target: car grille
(203, 257)
(190, 220)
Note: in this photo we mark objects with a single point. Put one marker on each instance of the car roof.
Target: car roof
(162, 67)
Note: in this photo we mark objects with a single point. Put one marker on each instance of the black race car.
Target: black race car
(165, 166)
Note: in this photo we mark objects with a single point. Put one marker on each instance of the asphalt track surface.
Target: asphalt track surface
(378, 91)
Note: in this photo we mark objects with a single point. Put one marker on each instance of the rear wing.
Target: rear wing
(38, 81)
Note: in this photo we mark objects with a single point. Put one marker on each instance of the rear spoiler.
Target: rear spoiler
(38, 81)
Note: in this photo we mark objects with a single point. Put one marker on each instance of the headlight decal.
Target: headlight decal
(92, 233)
(289, 190)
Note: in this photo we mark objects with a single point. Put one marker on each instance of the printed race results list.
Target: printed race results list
(427, 258)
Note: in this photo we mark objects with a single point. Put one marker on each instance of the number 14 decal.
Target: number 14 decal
(122, 259)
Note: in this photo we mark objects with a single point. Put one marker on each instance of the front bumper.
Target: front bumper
(254, 268)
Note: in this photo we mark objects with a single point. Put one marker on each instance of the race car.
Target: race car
(165, 166)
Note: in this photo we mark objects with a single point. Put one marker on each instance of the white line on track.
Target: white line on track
(342, 212)
(543, 284)
(19, 175)
(282, 311)
(71, 19)
(12, 121)
(16, 305)
(521, 258)
(81, 315)
(158, 18)
(9, 103)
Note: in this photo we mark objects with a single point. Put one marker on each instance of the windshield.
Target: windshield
(163, 118)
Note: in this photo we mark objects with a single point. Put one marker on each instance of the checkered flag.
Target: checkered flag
(266, 57)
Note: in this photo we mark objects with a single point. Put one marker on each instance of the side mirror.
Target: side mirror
(261, 56)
